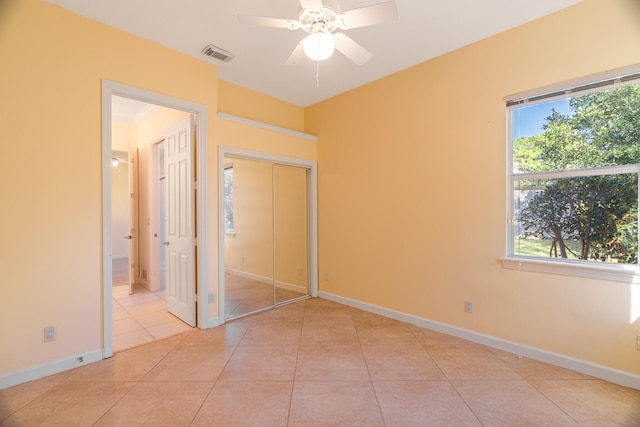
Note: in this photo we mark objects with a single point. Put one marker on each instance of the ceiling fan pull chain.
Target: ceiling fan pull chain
(317, 73)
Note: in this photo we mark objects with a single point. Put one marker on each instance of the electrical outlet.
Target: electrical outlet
(211, 298)
(80, 359)
(327, 277)
(49, 333)
(468, 306)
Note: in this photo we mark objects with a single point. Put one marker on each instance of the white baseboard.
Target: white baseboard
(212, 322)
(599, 371)
(268, 280)
(52, 368)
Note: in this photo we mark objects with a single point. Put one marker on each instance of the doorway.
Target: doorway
(268, 228)
(145, 310)
(144, 275)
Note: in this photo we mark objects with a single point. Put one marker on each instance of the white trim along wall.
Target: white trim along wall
(608, 374)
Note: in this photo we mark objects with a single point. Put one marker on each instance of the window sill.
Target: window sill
(615, 272)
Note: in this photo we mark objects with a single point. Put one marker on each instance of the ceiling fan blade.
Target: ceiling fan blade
(263, 21)
(297, 55)
(368, 15)
(315, 5)
(351, 49)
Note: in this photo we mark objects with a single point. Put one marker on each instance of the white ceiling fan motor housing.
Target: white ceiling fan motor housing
(322, 20)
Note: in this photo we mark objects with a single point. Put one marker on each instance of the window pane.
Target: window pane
(229, 226)
(591, 130)
(589, 218)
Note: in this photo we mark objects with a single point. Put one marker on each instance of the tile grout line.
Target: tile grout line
(366, 364)
(523, 374)
(135, 318)
(117, 401)
(551, 400)
(295, 370)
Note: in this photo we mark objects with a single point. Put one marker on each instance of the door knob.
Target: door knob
(166, 243)
(128, 237)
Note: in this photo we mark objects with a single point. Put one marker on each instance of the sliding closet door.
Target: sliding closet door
(291, 232)
(249, 243)
(266, 244)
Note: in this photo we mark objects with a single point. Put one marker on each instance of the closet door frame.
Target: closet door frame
(311, 166)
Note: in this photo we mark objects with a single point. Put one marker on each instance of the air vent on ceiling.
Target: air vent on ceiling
(217, 53)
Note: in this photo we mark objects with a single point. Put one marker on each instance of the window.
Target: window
(574, 160)
(229, 227)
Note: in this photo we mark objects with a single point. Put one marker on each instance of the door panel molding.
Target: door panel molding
(134, 199)
(180, 220)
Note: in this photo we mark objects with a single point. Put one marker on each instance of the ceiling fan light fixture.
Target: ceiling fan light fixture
(319, 46)
(115, 161)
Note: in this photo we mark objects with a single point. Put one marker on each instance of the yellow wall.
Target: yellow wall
(151, 128)
(412, 194)
(411, 171)
(239, 101)
(52, 210)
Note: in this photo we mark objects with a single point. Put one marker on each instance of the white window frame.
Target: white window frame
(628, 273)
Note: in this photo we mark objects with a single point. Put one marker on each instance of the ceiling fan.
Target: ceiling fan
(118, 157)
(321, 22)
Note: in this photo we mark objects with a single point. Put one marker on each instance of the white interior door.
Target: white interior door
(179, 220)
(133, 216)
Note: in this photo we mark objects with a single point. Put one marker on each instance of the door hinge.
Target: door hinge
(195, 241)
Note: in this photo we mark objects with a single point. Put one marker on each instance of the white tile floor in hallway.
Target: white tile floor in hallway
(142, 317)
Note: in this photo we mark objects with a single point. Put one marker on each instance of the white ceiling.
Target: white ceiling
(129, 111)
(425, 29)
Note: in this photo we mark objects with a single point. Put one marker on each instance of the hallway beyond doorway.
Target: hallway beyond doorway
(120, 275)
(142, 317)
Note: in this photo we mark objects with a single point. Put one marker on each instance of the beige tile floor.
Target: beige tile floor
(142, 317)
(318, 363)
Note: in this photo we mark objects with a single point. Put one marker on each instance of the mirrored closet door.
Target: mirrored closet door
(266, 256)
(291, 233)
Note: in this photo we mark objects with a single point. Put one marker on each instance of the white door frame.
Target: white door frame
(313, 213)
(109, 89)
